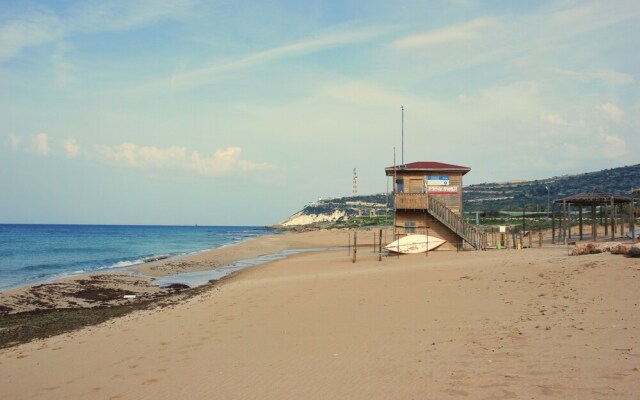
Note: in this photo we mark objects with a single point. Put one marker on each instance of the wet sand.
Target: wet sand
(534, 323)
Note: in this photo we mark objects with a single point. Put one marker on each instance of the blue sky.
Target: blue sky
(183, 112)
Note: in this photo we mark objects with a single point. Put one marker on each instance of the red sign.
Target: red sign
(442, 189)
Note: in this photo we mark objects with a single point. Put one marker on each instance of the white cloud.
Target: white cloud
(31, 30)
(41, 26)
(121, 15)
(202, 75)
(463, 32)
(132, 155)
(221, 162)
(612, 111)
(39, 144)
(612, 145)
(610, 77)
(592, 16)
(251, 166)
(553, 118)
(14, 141)
(224, 161)
(71, 147)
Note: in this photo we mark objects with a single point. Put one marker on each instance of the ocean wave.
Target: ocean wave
(122, 264)
(33, 253)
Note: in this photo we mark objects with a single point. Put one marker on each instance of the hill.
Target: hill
(533, 195)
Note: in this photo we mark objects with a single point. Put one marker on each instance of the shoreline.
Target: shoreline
(84, 300)
(127, 257)
(494, 324)
(151, 281)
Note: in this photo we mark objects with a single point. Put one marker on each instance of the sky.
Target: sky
(242, 112)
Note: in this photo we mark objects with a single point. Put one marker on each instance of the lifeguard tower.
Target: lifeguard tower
(428, 200)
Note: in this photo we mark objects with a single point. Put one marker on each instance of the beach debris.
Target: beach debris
(178, 286)
(155, 258)
(129, 296)
(634, 251)
(100, 294)
(611, 247)
(589, 248)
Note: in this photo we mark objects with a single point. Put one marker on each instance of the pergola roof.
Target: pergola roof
(594, 196)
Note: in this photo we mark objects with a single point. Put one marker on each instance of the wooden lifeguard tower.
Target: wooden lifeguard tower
(428, 200)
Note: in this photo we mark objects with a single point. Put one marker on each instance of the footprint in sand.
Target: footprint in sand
(456, 392)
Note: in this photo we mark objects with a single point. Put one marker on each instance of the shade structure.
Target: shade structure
(610, 206)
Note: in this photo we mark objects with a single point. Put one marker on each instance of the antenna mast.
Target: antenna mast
(402, 158)
(354, 187)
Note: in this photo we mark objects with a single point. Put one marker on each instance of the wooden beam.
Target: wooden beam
(580, 220)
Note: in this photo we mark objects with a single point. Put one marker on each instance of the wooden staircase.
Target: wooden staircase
(469, 233)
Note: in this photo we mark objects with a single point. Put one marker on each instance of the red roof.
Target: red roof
(430, 166)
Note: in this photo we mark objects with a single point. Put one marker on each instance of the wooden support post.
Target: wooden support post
(613, 218)
(594, 226)
(569, 220)
(355, 246)
(539, 237)
(349, 244)
(606, 222)
(530, 236)
(632, 220)
(580, 221)
(564, 221)
(622, 216)
(374, 242)
(380, 246)
(553, 227)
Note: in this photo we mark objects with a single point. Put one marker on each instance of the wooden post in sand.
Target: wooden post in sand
(355, 246)
(605, 223)
(594, 226)
(622, 216)
(553, 227)
(530, 236)
(632, 221)
(380, 246)
(539, 237)
(580, 220)
(564, 221)
(569, 221)
(613, 219)
(374, 242)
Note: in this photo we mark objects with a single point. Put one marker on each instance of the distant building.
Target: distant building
(428, 200)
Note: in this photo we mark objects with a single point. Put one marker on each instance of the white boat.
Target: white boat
(413, 244)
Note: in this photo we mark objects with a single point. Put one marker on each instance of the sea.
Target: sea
(31, 254)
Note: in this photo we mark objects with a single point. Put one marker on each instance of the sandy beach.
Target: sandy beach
(528, 324)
